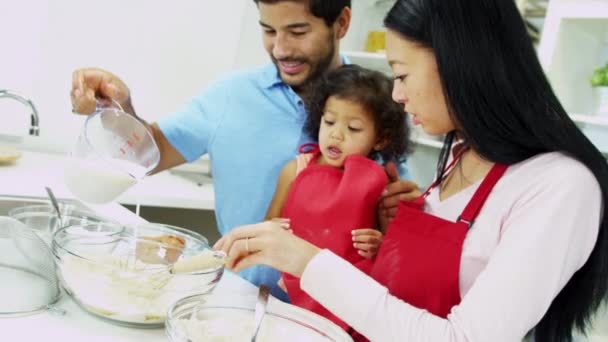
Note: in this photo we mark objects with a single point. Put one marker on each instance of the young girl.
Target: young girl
(330, 191)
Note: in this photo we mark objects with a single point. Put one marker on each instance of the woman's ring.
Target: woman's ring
(247, 244)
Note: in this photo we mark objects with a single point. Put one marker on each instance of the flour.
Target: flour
(129, 294)
(98, 181)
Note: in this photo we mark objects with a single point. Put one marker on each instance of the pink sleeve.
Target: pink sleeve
(547, 236)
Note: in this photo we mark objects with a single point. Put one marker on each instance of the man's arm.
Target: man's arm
(169, 156)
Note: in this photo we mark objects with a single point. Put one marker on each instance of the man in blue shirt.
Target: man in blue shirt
(250, 123)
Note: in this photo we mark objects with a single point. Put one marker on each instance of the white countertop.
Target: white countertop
(78, 325)
(28, 177)
(35, 170)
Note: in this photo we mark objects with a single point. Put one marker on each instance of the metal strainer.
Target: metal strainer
(29, 279)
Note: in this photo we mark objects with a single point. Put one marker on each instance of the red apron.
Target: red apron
(325, 204)
(419, 260)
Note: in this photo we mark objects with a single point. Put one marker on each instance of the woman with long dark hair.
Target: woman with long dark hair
(510, 241)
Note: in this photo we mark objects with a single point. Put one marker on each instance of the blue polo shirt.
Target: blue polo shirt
(250, 123)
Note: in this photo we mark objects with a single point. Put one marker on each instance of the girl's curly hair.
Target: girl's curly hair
(372, 90)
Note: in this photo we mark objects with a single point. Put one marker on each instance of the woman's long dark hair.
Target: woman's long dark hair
(504, 107)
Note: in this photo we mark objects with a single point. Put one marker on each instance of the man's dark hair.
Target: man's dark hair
(329, 10)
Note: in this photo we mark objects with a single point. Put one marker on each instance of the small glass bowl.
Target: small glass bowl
(43, 219)
(213, 317)
(123, 275)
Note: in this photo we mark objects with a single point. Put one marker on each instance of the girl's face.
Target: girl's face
(346, 128)
(417, 84)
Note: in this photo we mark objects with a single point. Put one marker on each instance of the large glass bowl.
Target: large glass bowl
(123, 274)
(215, 318)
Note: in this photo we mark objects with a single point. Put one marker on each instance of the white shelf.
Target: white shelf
(372, 60)
(574, 42)
(366, 55)
(583, 9)
(428, 142)
(590, 119)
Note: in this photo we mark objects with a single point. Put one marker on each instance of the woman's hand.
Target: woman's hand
(367, 241)
(397, 190)
(268, 243)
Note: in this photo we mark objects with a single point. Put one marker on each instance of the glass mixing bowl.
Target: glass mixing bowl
(123, 274)
(215, 318)
(43, 219)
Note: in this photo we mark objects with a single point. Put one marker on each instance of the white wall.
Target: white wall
(250, 51)
(165, 51)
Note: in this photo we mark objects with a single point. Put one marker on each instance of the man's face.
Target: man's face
(301, 45)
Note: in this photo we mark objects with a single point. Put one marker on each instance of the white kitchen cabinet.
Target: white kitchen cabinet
(574, 43)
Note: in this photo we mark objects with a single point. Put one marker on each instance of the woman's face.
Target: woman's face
(417, 84)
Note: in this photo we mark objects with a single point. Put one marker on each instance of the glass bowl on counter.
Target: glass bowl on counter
(215, 318)
(125, 274)
(43, 219)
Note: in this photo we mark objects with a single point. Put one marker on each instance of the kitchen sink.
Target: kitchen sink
(10, 202)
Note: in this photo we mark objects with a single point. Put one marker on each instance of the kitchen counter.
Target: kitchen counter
(35, 170)
(28, 177)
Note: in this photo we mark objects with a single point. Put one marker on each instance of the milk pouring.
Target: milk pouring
(95, 181)
(113, 152)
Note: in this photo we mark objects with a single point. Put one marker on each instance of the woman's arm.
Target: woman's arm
(286, 177)
(547, 235)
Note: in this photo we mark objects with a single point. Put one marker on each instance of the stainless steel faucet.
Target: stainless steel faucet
(34, 129)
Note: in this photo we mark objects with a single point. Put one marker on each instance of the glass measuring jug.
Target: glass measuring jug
(112, 153)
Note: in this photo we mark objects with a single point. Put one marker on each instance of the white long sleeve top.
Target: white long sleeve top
(537, 228)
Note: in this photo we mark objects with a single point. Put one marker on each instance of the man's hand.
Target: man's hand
(91, 84)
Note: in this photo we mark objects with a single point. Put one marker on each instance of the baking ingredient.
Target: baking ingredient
(160, 249)
(219, 325)
(205, 260)
(8, 154)
(99, 181)
(124, 288)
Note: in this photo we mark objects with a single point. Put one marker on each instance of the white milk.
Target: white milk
(98, 181)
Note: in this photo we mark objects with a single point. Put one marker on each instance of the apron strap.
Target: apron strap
(308, 148)
(459, 151)
(469, 214)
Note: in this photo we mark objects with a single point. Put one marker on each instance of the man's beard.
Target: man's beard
(316, 71)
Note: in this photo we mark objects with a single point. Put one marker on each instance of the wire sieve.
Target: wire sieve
(29, 278)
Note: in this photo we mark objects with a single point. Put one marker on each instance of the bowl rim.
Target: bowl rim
(170, 328)
(55, 245)
(42, 209)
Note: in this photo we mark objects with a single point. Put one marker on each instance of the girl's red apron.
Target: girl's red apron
(325, 204)
(419, 260)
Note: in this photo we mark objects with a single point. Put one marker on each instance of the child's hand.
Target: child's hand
(367, 241)
(284, 222)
